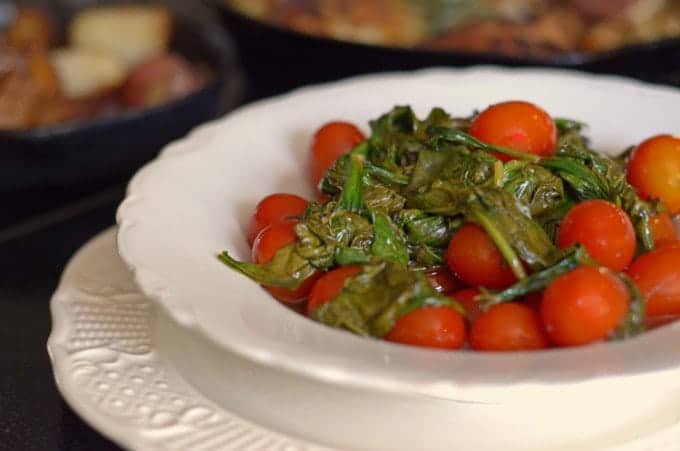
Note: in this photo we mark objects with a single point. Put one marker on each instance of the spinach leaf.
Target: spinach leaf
(394, 145)
(575, 256)
(287, 269)
(452, 163)
(388, 242)
(335, 178)
(379, 198)
(328, 236)
(506, 219)
(425, 257)
(444, 136)
(533, 185)
(508, 222)
(593, 176)
(422, 228)
(634, 322)
(372, 301)
(351, 198)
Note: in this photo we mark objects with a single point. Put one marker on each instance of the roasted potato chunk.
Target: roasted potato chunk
(27, 83)
(31, 29)
(132, 34)
(87, 73)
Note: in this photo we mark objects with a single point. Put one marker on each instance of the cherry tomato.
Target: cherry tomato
(331, 141)
(329, 286)
(473, 257)
(532, 300)
(657, 275)
(604, 229)
(662, 228)
(466, 298)
(272, 209)
(432, 327)
(583, 306)
(652, 322)
(666, 243)
(516, 125)
(442, 280)
(510, 326)
(654, 170)
(270, 240)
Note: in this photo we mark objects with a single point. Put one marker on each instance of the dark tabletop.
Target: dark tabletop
(39, 232)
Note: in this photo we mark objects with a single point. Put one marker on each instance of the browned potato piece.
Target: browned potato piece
(605, 36)
(132, 33)
(31, 29)
(43, 73)
(86, 73)
(555, 32)
(601, 9)
(27, 83)
(60, 110)
(388, 22)
(18, 99)
(159, 81)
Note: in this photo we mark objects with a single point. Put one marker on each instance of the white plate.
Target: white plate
(112, 354)
(150, 385)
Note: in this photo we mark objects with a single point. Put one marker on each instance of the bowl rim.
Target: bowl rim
(542, 371)
(574, 60)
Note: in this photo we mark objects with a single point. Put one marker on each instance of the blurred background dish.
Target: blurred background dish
(91, 90)
(640, 38)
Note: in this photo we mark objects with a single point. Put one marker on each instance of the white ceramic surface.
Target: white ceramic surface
(151, 385)
(195, 200)
(109, 348)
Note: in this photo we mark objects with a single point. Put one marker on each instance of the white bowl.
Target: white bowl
(195, 200)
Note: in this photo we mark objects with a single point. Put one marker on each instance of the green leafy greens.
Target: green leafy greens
(397, 199)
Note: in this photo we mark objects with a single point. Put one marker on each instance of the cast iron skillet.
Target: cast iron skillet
(278, 59)
(112, 148)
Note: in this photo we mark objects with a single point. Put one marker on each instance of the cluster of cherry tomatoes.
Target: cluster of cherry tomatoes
(582, 306)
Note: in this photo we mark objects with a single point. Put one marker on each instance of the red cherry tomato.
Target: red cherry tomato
(442, 280)
(652, 322)
(532, 300)
(431, 327)
(654, 170)
(657, 275)
(662, 228)
(466, 298)
(270, 240)
(516, 125)
(508, 327)
(331, 141)
(474, 259)
(272, 209)
(329, 286)
(583, 306)
(604, 229)
(666, 243)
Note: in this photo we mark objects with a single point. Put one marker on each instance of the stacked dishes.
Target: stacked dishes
(208, 348)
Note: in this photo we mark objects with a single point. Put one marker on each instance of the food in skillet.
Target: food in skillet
(113, 59)
(524, 28)
(502, 230)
